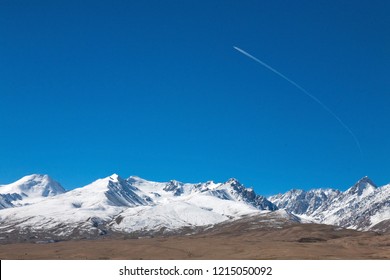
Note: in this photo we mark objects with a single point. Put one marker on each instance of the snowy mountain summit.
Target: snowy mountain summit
(36, 206)
(363, 206)
(28, 189)
(363, 187)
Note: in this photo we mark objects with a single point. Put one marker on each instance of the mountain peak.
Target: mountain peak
(115, 191)
(34, 178)
(174, 186)
(34, 185)
(366, 179)
(115, 178)
(233, 182)
(363, 185)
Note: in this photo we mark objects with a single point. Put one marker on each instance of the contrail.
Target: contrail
(305, 92)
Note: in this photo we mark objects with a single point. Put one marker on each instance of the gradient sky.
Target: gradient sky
(155, 89)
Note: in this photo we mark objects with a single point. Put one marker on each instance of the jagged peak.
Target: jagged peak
(232, 180)
(361, 185)
(174, 186)
(175, 182)
(366, 180)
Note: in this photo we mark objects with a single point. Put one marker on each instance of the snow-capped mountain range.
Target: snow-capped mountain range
(36, 205)
(363, 206)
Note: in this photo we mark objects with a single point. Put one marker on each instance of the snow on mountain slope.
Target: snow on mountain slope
(303, 202)
(175, 215)
(134, 205)
(28, 189)
(115, 204)
(231, 190)
(360, 207)
(81, 210)
(179, 205)
(113, 191)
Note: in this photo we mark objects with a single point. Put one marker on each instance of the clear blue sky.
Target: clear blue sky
(155, 89)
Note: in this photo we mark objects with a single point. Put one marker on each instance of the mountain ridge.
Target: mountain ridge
(134, 205)
(113, 204)
(359, 207)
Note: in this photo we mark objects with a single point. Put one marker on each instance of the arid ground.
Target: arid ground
(240, 240)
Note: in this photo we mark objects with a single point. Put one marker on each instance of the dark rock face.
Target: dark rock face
(121, 193)
(262, 203)
(175, 187)
(7, 199)
(249, 196)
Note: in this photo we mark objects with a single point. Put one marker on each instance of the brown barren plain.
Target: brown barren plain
(230, 241)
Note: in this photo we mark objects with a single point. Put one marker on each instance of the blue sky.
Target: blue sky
(155, 89)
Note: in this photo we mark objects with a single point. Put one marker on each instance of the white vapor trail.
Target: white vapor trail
(326, 108)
